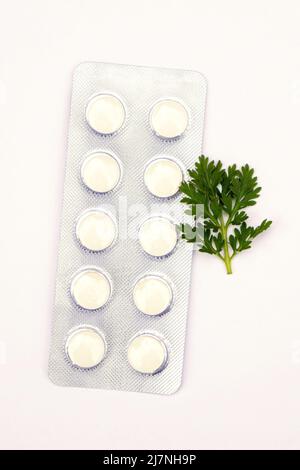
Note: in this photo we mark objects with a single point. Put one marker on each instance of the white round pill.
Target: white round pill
(96, 230)
(147, 354)
(90, 289)
(169, 118)
(158, 236)
(163, 177)
(100, 172)
(105, 113)
(85, 347)
(152, 295)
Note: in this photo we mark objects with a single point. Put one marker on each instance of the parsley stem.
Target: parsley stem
(227, 258)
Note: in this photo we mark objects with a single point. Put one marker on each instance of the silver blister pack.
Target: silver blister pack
(101, 336)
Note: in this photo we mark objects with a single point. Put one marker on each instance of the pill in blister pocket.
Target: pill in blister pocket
(152, 295)
(147, 353)
(158, 236)
(100, 172)
(96, 230)
(85, 347)
(163, 177)
(169, 118)
(91, 288)
(105, 113)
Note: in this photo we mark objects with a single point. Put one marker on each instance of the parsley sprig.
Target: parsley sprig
(224, 193)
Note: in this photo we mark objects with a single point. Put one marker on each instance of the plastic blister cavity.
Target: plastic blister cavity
(101, 172)
(91, 288)
(147, 353)
(169, 118)
(153, 294)
(105, 113)
(85, 347)
(158, 236)
(163, 176)
(96, 229)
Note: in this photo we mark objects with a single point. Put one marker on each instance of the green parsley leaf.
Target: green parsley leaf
(224, 193)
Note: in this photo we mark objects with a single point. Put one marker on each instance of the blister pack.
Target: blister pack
(123, 273)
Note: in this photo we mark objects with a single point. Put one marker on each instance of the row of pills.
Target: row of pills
(106, 114)
(96, 230)
(101, 172)
(91, 289)
(86, 347)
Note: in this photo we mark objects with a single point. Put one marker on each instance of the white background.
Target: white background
(241, 386)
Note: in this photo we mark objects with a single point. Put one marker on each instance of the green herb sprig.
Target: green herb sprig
(224, 194)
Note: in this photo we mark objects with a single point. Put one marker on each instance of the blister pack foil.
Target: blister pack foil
(129, 204)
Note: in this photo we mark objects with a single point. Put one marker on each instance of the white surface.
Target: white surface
(241, 384)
